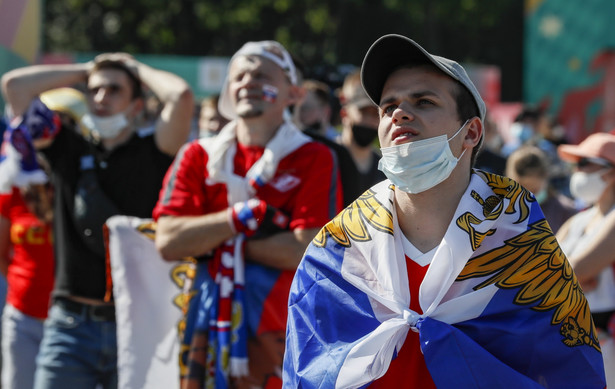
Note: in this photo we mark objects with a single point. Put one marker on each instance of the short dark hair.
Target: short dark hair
(321, 90)
(527, 161)
(210, 101)
(135, 83)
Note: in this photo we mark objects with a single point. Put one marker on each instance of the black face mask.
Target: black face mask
(316, 126)
(363, 135)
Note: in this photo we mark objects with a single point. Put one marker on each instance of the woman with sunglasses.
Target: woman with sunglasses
(587, 237)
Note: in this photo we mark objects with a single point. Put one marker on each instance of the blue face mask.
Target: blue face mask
(541, 196)
(521, 132)
(415, 167)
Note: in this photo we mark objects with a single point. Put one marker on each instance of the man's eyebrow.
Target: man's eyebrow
(113, 85)
(413, 95)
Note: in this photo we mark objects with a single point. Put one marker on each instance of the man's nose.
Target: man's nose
(249, 80)
(403, 113)
(101, 95)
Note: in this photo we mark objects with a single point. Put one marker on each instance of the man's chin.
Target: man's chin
(250, 113)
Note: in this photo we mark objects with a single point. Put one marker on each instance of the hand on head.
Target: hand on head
(124, 58)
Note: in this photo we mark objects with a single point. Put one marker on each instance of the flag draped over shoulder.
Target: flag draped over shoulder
(149, 298)
(18, 165)
(501, 304)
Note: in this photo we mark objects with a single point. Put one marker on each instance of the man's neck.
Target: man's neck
(425, 217)
(362, 156)
(606, 202)
(121, 138)
(322, 130)
(255, 132)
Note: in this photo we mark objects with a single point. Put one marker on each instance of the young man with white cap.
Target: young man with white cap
(587, 237)
(247, 203)
(440, 276)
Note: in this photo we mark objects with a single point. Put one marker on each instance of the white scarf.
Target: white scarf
(221, 152)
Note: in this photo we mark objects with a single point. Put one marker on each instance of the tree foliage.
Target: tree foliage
(319, 32)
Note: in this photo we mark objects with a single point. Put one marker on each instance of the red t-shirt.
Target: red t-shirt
(408, 370)
(31, 267)
(305, 186)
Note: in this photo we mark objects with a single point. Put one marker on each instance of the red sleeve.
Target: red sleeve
(319, 199)
(183, 187)
(6, 202)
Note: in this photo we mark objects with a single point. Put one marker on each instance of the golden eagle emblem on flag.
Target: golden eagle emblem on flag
(351, 223)
(532, 262)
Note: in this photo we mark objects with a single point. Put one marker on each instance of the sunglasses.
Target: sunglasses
(585, 162)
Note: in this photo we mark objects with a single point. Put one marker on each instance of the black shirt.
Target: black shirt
(130, 176)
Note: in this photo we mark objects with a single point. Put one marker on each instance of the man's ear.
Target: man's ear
(475, 132)
(296, 95)
(137, 106)
(345, 117)
(609, 176)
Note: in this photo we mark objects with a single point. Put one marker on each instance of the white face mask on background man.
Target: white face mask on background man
(588, 187)
(415, 167)
(105, 127)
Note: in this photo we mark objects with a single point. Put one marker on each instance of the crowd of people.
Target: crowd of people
(384, 233)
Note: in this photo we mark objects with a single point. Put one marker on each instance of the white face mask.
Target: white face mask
(105, 127)
(417, 166)
(587, 187)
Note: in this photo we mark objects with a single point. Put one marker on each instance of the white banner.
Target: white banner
(148, 294)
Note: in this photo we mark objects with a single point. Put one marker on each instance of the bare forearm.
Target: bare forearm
(173, 126)
(21, 85)
(281, 251)
(4, 265)
(180, 237)
(168, 87)
(599, 254)
(588, 268)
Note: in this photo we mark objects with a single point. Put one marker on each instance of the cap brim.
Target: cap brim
(572, 153)
(387, 54)
(362, 102)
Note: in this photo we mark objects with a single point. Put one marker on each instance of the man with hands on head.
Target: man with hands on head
(246, 204)
(114, 169)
